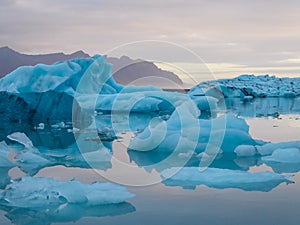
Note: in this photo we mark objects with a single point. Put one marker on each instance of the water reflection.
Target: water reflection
(56, 145)
(68, 213)
(263, 107)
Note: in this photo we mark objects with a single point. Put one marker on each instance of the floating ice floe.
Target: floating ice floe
(283, 157)
(287, 155)
(190, 177)
(184, 131)
(31, 159)
(38, 192)
(22, 139)
(265, 149)
(284, 160)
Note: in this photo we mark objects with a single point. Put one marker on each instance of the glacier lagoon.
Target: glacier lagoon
(249, 180)
(268, 202)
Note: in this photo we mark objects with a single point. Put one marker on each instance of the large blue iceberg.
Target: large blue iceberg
(56, 92)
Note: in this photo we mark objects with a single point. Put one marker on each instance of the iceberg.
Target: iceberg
(190, 177)
(282, 157)
(38, 192)
(67, 90)
(246, 86)
(245, 150)
(21, 139)
(284, 160)
(31, 159)
(269, 148)
(264, 149)
(184, 131)
(287, 155)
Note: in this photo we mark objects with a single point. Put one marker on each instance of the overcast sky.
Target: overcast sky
(232, 37)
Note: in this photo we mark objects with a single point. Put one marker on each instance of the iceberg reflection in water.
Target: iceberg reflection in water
(69, 213)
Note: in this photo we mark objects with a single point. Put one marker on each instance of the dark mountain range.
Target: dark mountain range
(11, 60)
(125, 70)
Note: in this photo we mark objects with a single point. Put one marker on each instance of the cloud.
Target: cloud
(5, 3)
(252, 33)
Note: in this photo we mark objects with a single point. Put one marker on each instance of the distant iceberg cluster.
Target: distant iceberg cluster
(249, 86)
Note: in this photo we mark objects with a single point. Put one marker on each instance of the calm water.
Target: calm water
(274, 120)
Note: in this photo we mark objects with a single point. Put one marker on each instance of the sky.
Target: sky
(231, 37)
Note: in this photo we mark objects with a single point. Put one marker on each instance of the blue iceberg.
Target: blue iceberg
(190, 177)
(38, 192)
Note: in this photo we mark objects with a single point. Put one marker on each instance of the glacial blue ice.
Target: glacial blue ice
(286, 155)
(4, 156)
(190, 177)
(282, 157)
(60, 77)
(265, 149)
(5, 164)
(36, 192)
(184, 131)
(31, 159)
(49, 91)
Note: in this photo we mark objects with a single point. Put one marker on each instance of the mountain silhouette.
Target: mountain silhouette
(125, 70)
